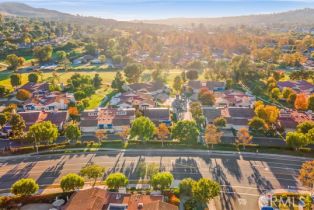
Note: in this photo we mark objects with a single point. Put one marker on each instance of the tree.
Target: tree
(43, 132)
(116, 180)
(3, 119)
(306, 174)
(133, 72)
(311, 103)
(192, 75)
(97, 81)
(72, 132)
(177, 84)
(14, 61)
(118, 82)
(117, 59)
(186, 186)
(244, 137)
(257, 124)
(143, 128)
(61, 55)
(17, 125)
(268, 113)
(206, 97)
(100, 134)
(162, 132)
(43, 53)
(15, 80)
(185, 131)
(301, 102)
(204, 190)
(23, 94)
(91, 48)
(79, 95)
(3, 91)
(71, 182)
(102, 58)
(33, 77)
(183, 76)
(305, 127)
(296, 140)
(310, 136)
(161, 181)
(292, 97)
(286, 92)
(24, 187)
(212, 135)
(275, 93)
(93, 172)
(152, 169)
(220, 122)
(124, 134)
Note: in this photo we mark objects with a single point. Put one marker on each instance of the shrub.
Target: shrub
(23, 94)
(24, 187)
(71, 182)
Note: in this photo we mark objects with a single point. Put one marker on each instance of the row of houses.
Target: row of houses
(99, 199)
(238, 117)
(117, 119)
(43, 99)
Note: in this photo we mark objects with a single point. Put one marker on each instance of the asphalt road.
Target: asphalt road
(243, 177)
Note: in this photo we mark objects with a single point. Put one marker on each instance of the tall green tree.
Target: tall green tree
(17, 125)
(133, 72)
(14, 61)
(33, 77)
(43, 132)
(204, 190)
(296, 140)
(3, 119)
(71, 182)
(118, 82)
(15, 80)
(43, 53)
(97, 81)
(93, 172)
(177, 84)
(142, 128)
(72, 132)
(185, 131)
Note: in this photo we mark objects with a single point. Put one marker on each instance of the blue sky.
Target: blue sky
(154, 9)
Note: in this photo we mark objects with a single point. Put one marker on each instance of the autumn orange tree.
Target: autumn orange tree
(212, 135)
(124, 134)
(244, 137)
(162, 132)
(301, 102)
(100, 134)
(306, 174)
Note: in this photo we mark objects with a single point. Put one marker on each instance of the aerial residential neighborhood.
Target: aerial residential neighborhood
(156, 113)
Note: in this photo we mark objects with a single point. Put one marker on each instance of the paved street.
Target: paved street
(243, 177)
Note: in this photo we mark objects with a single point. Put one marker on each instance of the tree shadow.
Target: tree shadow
(14, 175)
(228, 195)
(232, 165)
(261, 182)
(51, 174)
(184, 168)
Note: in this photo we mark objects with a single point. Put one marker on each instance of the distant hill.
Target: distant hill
(24, 10)
(295, 17)
(20, 9)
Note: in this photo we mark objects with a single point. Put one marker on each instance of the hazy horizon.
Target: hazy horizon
(154, 9)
